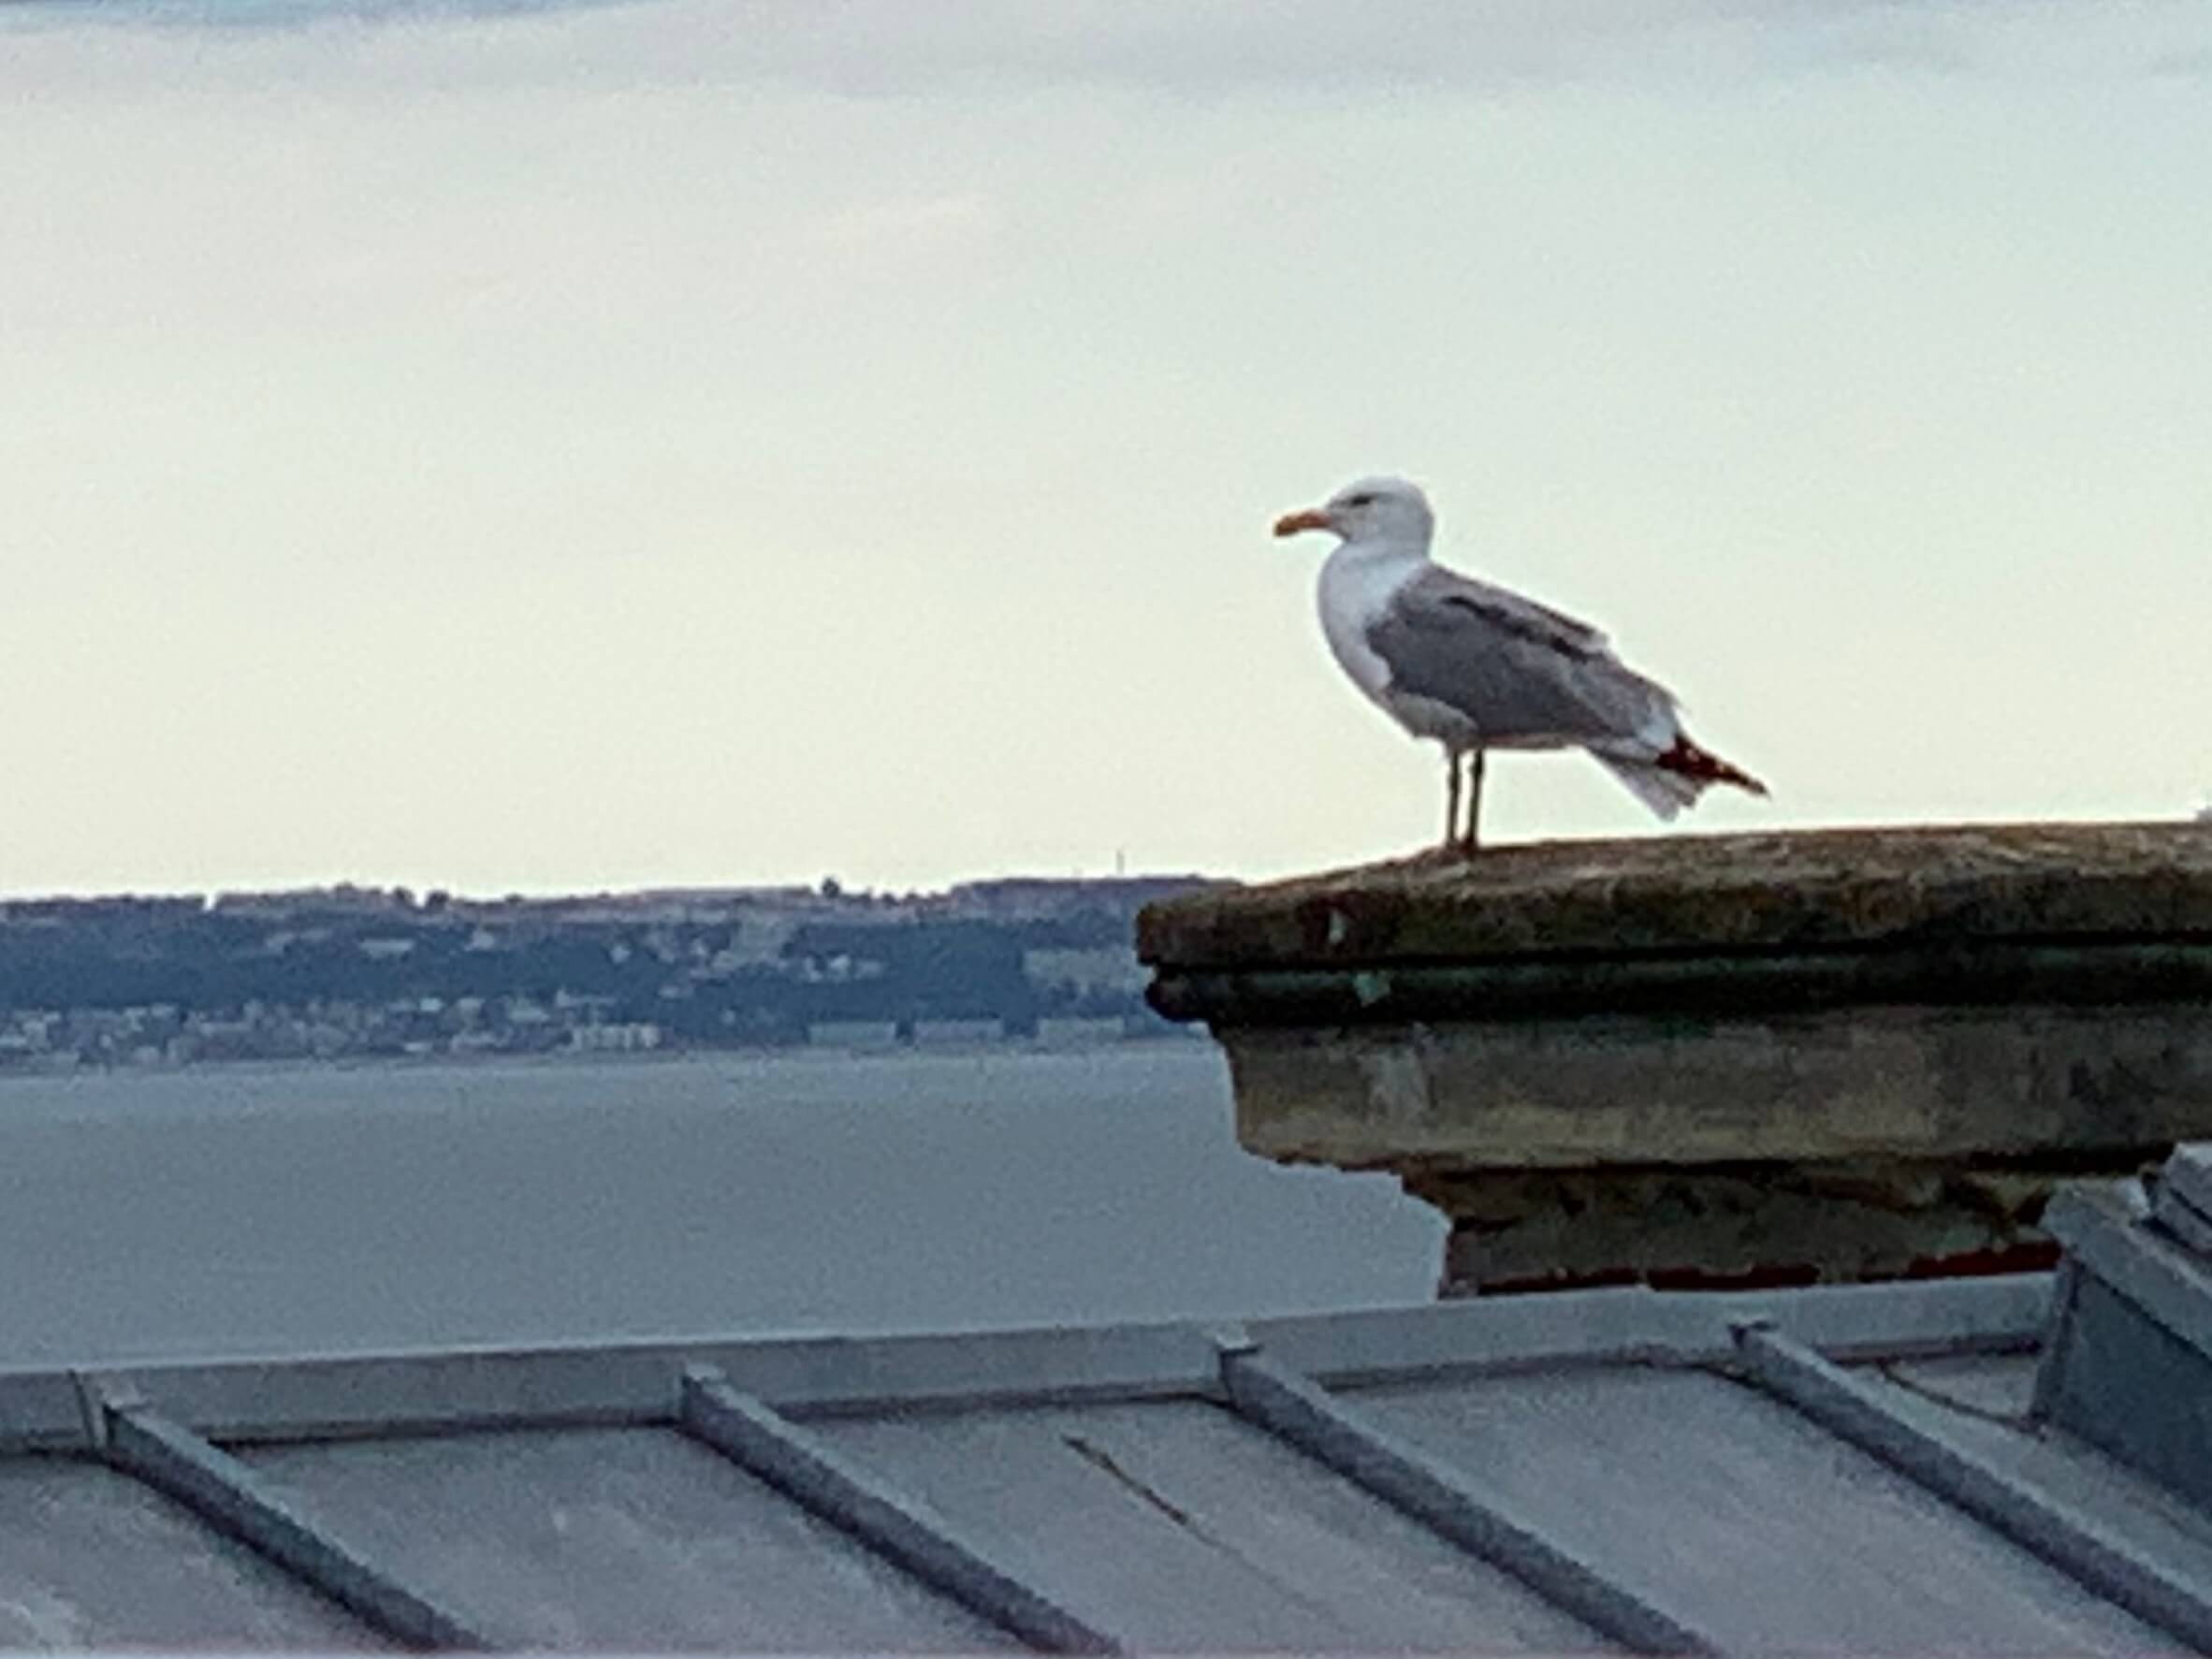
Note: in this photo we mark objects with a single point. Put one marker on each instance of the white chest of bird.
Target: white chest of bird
(1360, 582)
(1357, 582)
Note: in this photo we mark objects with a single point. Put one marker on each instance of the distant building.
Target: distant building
(1020, 896)
(1097, 968)
(853, 1034)
(628, 1037)
(957, 1033)
(1072, 1032)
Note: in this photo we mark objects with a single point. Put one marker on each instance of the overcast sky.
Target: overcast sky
(517, 447)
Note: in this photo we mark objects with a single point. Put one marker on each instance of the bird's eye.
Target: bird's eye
(1362, 500)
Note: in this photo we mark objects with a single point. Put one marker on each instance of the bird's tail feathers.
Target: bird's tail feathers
(1676, 776)
(1686, 760)
(1664, 793)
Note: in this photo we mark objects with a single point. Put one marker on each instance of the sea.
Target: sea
(239, 1211)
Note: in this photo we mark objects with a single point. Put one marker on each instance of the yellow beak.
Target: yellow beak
(1289, 524)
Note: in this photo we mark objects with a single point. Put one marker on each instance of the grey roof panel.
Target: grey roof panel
(1612, 1326)
(887, 1518)
(551, 1497)
(1298, 1411)
(616, 1538)
(1862, 1413)
(2131, 1366)
(1182, 1527)
(1736, 1513)
(459, 1388)
(2152, 1518)
(1984, 1384)
(94, 1560)
(599, 1383)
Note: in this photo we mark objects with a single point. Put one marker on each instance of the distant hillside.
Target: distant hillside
(348, 972)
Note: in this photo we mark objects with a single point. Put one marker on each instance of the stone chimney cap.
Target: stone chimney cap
(1791, 890)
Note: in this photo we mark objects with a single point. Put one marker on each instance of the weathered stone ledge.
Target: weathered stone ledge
(1726, 1056)
(2095, 973)
(1691, 893)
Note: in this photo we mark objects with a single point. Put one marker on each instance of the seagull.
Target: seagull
(1477, 668)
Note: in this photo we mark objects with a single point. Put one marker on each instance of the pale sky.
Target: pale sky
(527, 447)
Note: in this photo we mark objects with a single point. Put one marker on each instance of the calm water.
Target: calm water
(231, 1212)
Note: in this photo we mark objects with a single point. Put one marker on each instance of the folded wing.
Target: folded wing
(1521, 673)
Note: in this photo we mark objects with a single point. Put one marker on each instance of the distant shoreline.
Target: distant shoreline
(564, 1059)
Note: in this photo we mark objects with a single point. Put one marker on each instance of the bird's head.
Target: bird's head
(1372, 510)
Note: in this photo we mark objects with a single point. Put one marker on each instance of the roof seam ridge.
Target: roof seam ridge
(2053, 1530)
(1296, 1410)
(136, 1440)
(882, 1519)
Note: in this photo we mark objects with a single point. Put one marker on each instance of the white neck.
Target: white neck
(1381, 549)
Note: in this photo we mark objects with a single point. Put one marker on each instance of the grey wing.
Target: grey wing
(1517, 670)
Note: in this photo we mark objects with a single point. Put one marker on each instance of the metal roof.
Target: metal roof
(1830, 1468)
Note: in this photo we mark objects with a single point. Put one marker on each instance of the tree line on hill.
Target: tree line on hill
(688, 979)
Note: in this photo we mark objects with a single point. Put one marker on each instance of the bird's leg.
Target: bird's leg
(1451, 799)
(1474, 798)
